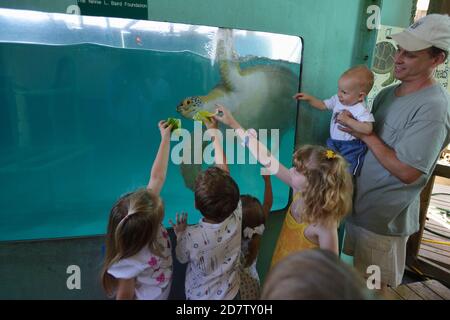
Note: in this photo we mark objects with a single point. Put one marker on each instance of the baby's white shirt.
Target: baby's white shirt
(359, 112)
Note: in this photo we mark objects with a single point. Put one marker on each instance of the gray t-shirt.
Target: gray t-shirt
(417, 127)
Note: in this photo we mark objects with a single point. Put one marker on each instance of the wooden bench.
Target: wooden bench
(428, 290)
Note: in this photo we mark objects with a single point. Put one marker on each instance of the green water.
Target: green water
(78, 128)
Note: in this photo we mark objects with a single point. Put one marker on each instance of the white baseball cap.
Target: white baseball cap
(430, 31)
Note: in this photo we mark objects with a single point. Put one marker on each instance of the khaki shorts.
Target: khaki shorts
(371, 249)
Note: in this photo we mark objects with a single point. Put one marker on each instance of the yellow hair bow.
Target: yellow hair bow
(330, 154)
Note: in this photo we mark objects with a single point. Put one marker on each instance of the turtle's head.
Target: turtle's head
(190, 106)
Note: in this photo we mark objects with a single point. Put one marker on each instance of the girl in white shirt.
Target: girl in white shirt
(138, 262)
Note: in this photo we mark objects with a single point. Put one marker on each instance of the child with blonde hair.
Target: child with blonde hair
(138, 261)
(322, 189)
(254, 218)
(314, 275)
(349, 109)
(322, 197)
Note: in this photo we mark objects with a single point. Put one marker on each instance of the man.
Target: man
(412, 125)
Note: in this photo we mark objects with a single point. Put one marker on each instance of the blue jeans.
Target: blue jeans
(353, 151)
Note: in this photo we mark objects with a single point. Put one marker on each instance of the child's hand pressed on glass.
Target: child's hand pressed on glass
(181, 223)
(266, 177)
(302, 96)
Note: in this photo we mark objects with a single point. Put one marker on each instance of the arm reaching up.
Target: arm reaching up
(316, 103)
(219, 156)
(159, 168)
(259, 150)
(268, 196)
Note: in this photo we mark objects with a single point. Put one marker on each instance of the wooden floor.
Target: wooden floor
(428, 290)
(435, 248)
(435, 244)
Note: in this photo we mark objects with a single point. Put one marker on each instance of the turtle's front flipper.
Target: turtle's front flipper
(230, 70)
(224, 45)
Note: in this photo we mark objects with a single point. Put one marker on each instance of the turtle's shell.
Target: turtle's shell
(384, 57)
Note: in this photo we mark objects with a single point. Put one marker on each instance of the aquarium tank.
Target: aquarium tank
(80, 102)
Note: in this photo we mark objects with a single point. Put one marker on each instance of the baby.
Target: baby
(349, 110)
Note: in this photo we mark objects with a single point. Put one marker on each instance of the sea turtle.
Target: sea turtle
(383, 62)
(259, 97)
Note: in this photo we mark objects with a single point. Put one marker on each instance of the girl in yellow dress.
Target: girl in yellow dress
(322, 192)
(322, 197)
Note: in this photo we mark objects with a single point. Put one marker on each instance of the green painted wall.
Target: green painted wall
(397, 13)
(40, 5)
